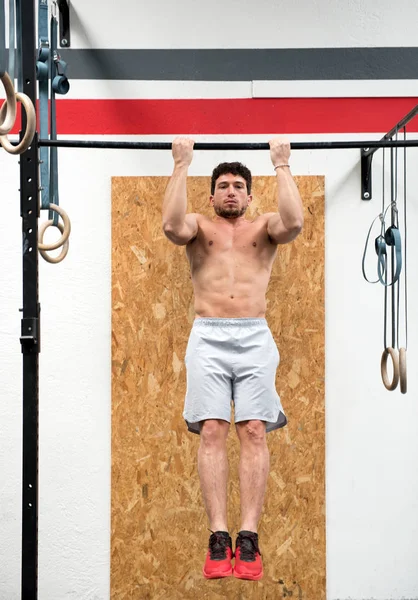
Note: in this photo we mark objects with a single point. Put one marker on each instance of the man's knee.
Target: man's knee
(213, 432)
(252, 432)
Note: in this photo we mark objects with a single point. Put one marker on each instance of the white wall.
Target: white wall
(372, 487)
(262, 24)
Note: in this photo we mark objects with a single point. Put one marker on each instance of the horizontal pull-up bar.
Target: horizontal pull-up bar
(229, 145)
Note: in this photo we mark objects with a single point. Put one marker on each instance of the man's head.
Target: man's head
(230, 190)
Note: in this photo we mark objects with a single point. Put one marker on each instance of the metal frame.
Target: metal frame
(65, 33)
(30, 325)
(228, 145)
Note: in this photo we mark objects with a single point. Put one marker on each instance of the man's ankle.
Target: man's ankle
(249, 527)
(222, 528)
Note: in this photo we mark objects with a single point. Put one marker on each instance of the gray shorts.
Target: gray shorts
(232, 360)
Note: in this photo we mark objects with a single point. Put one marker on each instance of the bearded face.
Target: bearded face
(230, 211)
(230, 199)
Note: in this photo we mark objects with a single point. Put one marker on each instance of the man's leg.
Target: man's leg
(254, 468)
(213, 470)
(253, 472)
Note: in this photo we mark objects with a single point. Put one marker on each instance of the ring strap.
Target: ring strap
(18, 52)
(42, 72)
(3, 67)
(59, 85)
(392, 234)
(363, 262)
(53, 157)
(12, 40)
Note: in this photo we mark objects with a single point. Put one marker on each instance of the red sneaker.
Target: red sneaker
(219, 555)
(248, 563)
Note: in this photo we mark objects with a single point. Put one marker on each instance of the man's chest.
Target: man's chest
(217, 245)
(221, 239)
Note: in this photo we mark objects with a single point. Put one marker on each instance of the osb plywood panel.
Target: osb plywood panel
(159, 527)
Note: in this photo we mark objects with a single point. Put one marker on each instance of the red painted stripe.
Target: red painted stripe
(232, 116)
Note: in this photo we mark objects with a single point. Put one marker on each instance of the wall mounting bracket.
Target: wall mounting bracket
(367, 153)
(366, 174)
(65, 34)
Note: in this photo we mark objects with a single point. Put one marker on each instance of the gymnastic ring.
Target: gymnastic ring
(383, 366)
(8, 120)
(402, 369)
(30, 127)
(66, 230)
(65, 246)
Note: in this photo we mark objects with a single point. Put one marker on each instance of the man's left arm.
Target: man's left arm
(285, 225)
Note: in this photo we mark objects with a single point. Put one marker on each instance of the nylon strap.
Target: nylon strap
(2, 39)
(385, 321)
(53, 170)
(12, 40)
(395, 237)
(50, 68)
(43, 20)
(59, 85)
(388, 237)
(42, 71)
(405, 232)
(381, 255)
(18, 53)
(394, 213)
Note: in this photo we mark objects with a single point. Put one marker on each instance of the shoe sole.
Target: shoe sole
(248, 577)
(217, 575)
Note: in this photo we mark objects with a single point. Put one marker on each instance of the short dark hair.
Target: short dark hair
(235, 168)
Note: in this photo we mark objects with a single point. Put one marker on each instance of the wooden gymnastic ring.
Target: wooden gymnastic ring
(65, 246)
(383, 366)
(66, 230)
(30, 126)
(8, 120)
(402, 369)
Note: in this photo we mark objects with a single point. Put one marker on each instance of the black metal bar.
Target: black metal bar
(226, 146)
(30, 326)
(385, 142)
(65, 33)
(402, 123)
(366, 175)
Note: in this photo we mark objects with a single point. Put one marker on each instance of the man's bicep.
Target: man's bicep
(186, 233)
(277, 232)
(192, 223)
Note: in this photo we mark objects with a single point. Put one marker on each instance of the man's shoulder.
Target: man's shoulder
(256, 220)
(201, 219)
(198, 215)
(261, 219)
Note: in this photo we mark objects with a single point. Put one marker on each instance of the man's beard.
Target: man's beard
(230, 212)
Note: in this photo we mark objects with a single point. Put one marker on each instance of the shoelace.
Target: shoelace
(248, 547)
(217, 546)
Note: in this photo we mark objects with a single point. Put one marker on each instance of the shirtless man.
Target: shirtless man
(231, 353)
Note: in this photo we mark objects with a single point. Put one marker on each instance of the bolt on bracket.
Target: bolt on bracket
(366, 174)
(65, 36)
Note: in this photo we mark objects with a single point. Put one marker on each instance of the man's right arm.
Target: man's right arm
(179, 227)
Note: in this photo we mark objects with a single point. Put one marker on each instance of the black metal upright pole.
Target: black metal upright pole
(30, 338)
